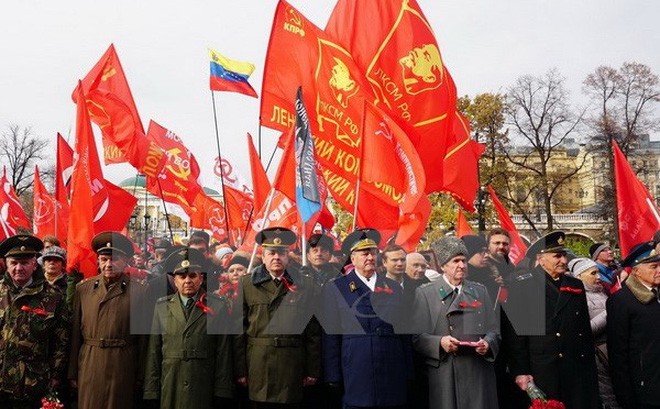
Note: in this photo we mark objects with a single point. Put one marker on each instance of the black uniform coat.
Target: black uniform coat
(633, 343)
(562, 361)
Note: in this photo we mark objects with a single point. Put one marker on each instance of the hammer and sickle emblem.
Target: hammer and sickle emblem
(107, 73)
(180, 171)
(294, 17)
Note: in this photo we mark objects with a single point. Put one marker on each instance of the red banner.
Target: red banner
(463, 228)
(111, 107)
(80, 255)
(462, 165)
(518, 247)
(46, 211)
(260, 182)
(208, 213)
(638, 214)
(402, 62)
(177, 180)
(13, 215)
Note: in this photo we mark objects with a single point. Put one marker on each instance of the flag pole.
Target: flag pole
(222, 175)
(304, 244)
(272, 155)
(359, 175)
(254, 249)
(167, 216)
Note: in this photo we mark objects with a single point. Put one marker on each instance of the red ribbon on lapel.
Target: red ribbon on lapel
(571, 290)
(205, 308)
(386, 290)
(473, 304)
(290, 287)
(38, 311)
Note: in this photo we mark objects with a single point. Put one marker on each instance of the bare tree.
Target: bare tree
(624, 102)
(20, 148)
(541, 121)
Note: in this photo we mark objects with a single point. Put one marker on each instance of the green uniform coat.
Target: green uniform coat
(34, 337)
(277, 364)
(187, 366)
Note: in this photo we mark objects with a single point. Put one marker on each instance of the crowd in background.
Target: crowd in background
(356, 324)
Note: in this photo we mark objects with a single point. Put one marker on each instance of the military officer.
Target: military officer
(106, 363)
(279, 351)
(633, 334)
(550, 343)
(187, 365)
(459, 336)
(362, 352)
(34, 327)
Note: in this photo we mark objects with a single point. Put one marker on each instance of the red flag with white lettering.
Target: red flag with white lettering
(177, 181)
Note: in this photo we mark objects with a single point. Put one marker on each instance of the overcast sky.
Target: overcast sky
(45, 46)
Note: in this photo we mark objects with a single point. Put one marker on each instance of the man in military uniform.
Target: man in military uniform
(551, 343)
(34, 327)
(189, 363)
(279, 351)
(105, 362)
(633, 334)
(362, 351)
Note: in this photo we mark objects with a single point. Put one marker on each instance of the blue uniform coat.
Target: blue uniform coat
(361, 348)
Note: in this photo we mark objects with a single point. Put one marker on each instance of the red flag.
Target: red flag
(463, 228)
(237, 195)
(80, 255)
(281, 212)
(112, 205)
(461, 174)
(403, 64)
(391, 170)
(8, 206)
(209, 214)
(111, 107)
(44, 213)
(260, 182)
(64, 170)
(331, 84)
(639, 218)
(177, 180)
(13, 212)
(114, 213)
(518, 247)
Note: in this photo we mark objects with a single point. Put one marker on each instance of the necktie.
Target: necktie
(656, 294)
(277, 281)
(454, 294)
(189, 306)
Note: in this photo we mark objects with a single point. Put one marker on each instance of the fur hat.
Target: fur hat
(447, 248)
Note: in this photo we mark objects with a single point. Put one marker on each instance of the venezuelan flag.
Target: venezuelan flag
(230, 75)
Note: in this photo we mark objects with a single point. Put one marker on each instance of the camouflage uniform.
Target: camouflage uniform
(34, 338)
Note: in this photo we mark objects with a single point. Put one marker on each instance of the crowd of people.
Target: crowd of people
(355, 325)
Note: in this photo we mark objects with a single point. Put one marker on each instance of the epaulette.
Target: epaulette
(165, 298)
(426, 285)
(524, 277)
